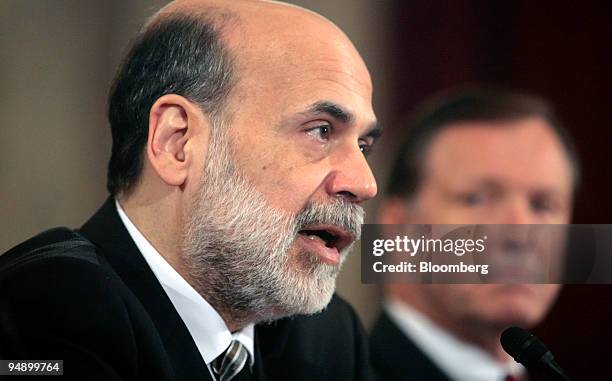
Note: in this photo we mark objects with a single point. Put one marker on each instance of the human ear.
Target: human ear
(174, 121)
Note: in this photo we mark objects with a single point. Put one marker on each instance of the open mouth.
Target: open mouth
(330, 236)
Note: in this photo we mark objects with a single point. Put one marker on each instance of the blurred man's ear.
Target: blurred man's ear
(394, 210)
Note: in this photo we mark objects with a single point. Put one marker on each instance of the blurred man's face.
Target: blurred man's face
(517, 173)
(280, 199)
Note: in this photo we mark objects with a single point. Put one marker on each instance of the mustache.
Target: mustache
(344, 214)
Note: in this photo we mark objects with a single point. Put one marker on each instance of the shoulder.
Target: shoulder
(384, 332)
(58, 264)
(327, 345)
(337, 322)
(58, 301)
(59, 269)
(338, 317)
(396, 357)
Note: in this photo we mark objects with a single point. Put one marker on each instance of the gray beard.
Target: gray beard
(239, 250)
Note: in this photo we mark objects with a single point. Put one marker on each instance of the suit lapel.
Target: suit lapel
(389, 345)
(110, 236)
(270, 342)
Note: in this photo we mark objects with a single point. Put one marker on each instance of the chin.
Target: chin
(313, 305)
(307, 294)
(317, 306)
(319, 297)
(525, 314)
(523, 305)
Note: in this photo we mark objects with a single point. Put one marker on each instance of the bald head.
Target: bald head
(270, 39)
(255, 24)
(266, 15)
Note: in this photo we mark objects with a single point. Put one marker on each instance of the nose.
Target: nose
(352, 178)
(517, 211)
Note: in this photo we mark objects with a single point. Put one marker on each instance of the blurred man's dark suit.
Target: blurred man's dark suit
(101, 310)
(395, 357)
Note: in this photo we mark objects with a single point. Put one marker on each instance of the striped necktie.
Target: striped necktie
(229, 364)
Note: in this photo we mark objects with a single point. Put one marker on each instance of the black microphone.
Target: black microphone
(528, 350)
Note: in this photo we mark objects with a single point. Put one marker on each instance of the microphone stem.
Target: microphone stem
(556, 370)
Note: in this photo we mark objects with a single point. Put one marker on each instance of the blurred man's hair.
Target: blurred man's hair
(469, 104)
(179, 54)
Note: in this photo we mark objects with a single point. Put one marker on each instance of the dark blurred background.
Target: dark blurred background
(57, 59)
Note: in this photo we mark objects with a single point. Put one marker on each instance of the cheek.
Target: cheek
(546, 295)
(522, 304)
(285, 175)
(288, 186)
(452, 300)
(475, 302)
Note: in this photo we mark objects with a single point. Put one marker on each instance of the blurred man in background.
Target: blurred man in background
(473, 156)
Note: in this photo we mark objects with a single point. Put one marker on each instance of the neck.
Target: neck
(476, 333)
(235, 317)
(158, 220)
(489, 342)
(484, 336)
(161, 221)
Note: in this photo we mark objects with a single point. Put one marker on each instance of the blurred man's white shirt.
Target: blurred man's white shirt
(459, 360)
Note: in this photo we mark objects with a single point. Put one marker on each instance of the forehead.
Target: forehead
(287, 67)
(524, 153)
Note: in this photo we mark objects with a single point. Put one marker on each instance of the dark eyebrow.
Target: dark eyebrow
(488, 183)
(333, 110)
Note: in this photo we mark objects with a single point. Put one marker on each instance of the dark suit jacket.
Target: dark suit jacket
(101, 310)
(396, 358)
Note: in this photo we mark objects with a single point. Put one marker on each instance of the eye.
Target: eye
(365, 147)
(543, 204)
(472, 198)
(321, 132)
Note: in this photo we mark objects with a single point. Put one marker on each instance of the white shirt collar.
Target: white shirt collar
(460, 360)
(207, 328)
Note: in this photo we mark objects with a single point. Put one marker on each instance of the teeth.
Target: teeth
(316, 238)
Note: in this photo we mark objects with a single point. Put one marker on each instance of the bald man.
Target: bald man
(236, 179)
